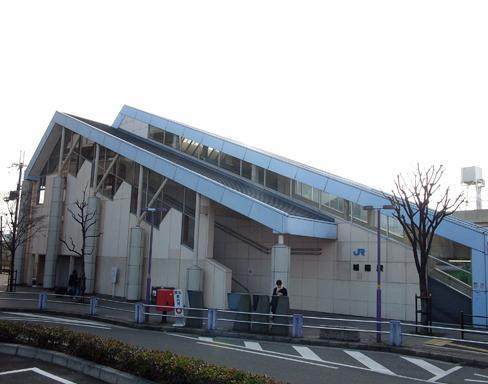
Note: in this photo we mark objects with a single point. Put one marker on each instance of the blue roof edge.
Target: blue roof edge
(257, 210)
(322, 180)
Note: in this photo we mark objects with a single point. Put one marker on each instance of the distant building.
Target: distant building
(234, 219)
(477, 216)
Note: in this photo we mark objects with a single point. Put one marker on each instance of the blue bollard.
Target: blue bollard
(93, 305)
(139, 313)
(212, 320)
(42, 302)
(395, 336)
(297, 330)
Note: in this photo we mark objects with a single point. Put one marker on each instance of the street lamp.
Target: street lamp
(148, 281)
(378, 265)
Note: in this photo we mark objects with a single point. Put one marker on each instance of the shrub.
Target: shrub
(162, 367)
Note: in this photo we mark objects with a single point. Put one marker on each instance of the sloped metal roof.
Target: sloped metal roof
(261, 205)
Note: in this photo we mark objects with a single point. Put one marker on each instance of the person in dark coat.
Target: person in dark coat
(73, 278)
(279, 290)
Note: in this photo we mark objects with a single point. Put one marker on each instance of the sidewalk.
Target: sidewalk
(120, 312)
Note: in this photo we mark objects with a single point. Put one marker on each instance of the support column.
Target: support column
(280, 262)
(479, 302)
(136, 254)
(54, 227)
(204, 239)
(25, 205)
(92, 245)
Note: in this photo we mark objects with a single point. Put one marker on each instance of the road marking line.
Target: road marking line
(40, 372)
(55, 318)
(253, 345)
(370, 363)
(478, 381)
(219, 344)
(298, 360)
(16, 371)
(307, 353)
(52, 377)
(54, 322)
(206, 339)
(436, 371)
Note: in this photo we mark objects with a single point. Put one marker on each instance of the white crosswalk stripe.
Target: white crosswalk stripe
(206, 339)
(307, 353)
(253, 345)
(436, 371)
(368, 362)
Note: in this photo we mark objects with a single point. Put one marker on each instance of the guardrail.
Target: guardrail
(297, 325)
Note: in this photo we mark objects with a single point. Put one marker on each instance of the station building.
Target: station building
(230, 219)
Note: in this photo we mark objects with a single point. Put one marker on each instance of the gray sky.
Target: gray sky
(362, 89)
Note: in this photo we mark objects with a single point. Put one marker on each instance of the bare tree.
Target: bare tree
(86, 220)
(20, 227)
(420, 217)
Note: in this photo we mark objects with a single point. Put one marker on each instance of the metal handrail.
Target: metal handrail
(450, 265)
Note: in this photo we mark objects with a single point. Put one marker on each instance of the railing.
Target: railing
(451, 275)
(241, 285)
(295, 325)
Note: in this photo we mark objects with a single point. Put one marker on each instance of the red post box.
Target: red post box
(165, 300)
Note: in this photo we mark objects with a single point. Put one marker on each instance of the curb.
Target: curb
(447, 356)
(96, 371)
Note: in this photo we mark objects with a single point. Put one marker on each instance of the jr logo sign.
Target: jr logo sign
(359, 252)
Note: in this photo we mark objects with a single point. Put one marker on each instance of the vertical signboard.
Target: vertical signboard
(179, 312)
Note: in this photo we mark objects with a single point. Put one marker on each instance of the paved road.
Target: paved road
(283, 361)
(20, 370)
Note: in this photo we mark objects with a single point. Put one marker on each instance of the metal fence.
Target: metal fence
(294, 325)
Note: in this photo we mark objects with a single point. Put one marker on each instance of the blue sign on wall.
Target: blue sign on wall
(359, 252)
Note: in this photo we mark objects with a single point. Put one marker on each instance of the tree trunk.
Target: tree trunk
(425, 301)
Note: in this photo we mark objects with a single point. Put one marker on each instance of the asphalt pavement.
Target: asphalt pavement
(22, 370)
(308, 359)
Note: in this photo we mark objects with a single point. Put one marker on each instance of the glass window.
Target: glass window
(190, 202)
(277, 182)
(384, 222)
(359, 213)
(156, 134)
(191, 147)
(41, 190)
(230, 163)
(246, 170)
(329, 201)
(87, 149)
(173, 195)
(187, 231)
(337, 203)
(172, 140)
(394, 226)
(210, 155)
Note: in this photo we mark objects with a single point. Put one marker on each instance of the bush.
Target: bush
(161, 367)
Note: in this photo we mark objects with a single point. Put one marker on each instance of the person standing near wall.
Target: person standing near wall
(72, 282)
(279, 290)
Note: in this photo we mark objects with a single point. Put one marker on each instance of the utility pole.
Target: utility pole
(20, 165)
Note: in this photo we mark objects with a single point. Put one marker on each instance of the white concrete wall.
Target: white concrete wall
(217, 283)
(170, 258)
(325, 282)
(137, 127)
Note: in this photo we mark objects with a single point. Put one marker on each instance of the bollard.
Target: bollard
(395, 336)
(212, 320)
(42, 303)
(93, 305)
(297, 330)
(139, 313)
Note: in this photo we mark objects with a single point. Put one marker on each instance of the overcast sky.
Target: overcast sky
(362, 89)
